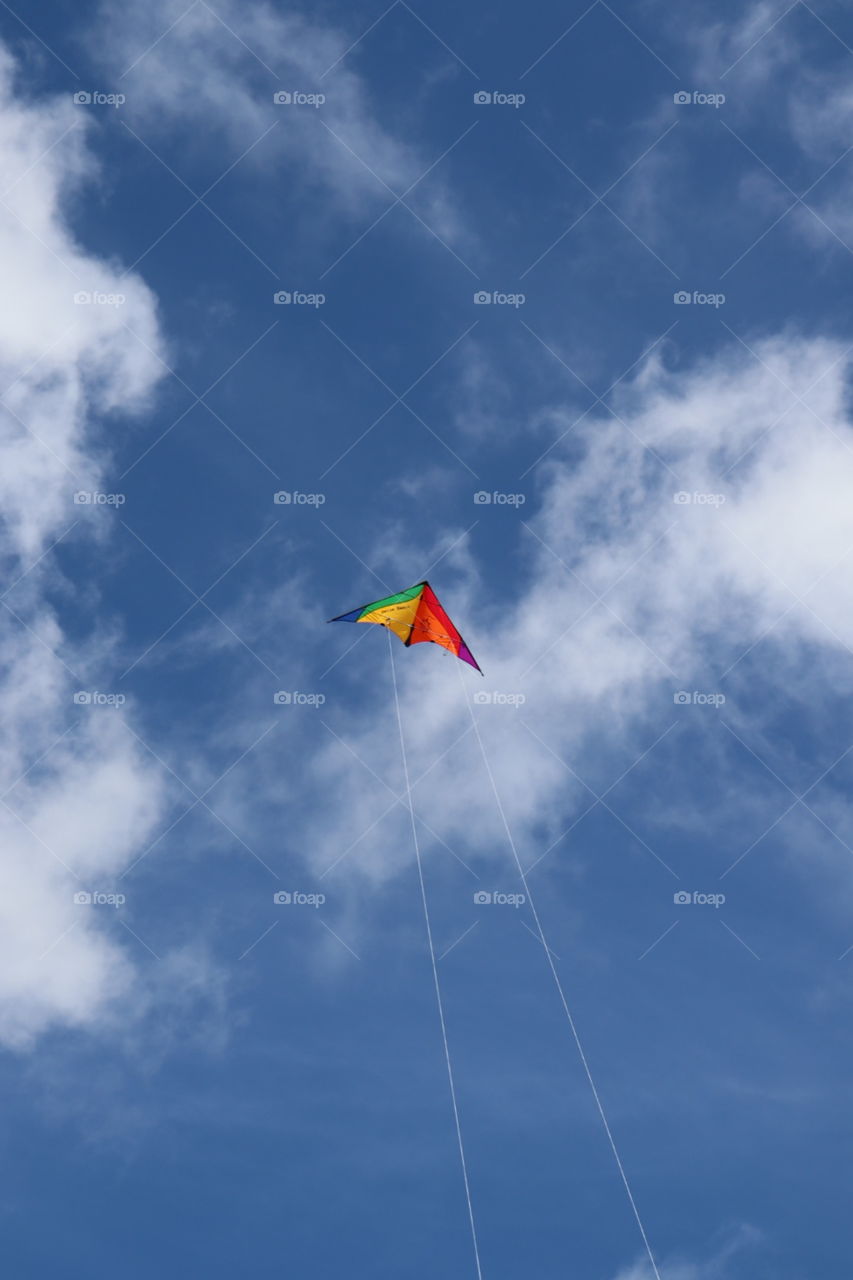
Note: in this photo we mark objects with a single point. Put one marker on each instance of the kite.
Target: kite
(414, 615)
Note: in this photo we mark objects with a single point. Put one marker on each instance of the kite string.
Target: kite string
(559, 986)
(434, 965)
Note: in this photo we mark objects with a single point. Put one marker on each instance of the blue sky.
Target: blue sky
(655, 404)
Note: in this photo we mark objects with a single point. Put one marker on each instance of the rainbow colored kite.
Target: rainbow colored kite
(414, 615)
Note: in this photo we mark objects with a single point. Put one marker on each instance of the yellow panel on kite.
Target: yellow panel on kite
(399, 618)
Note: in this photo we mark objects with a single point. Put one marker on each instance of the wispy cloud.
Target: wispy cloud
(236, 58)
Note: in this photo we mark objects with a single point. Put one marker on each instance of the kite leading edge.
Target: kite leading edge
(414, 615)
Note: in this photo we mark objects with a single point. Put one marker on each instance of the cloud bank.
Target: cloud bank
(710, 516)
(78, 797)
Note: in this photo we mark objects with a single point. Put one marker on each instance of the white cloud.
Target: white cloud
(687, 587)
(59, 359)
(79, 797)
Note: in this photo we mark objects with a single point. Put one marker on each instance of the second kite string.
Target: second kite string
(556, 976)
